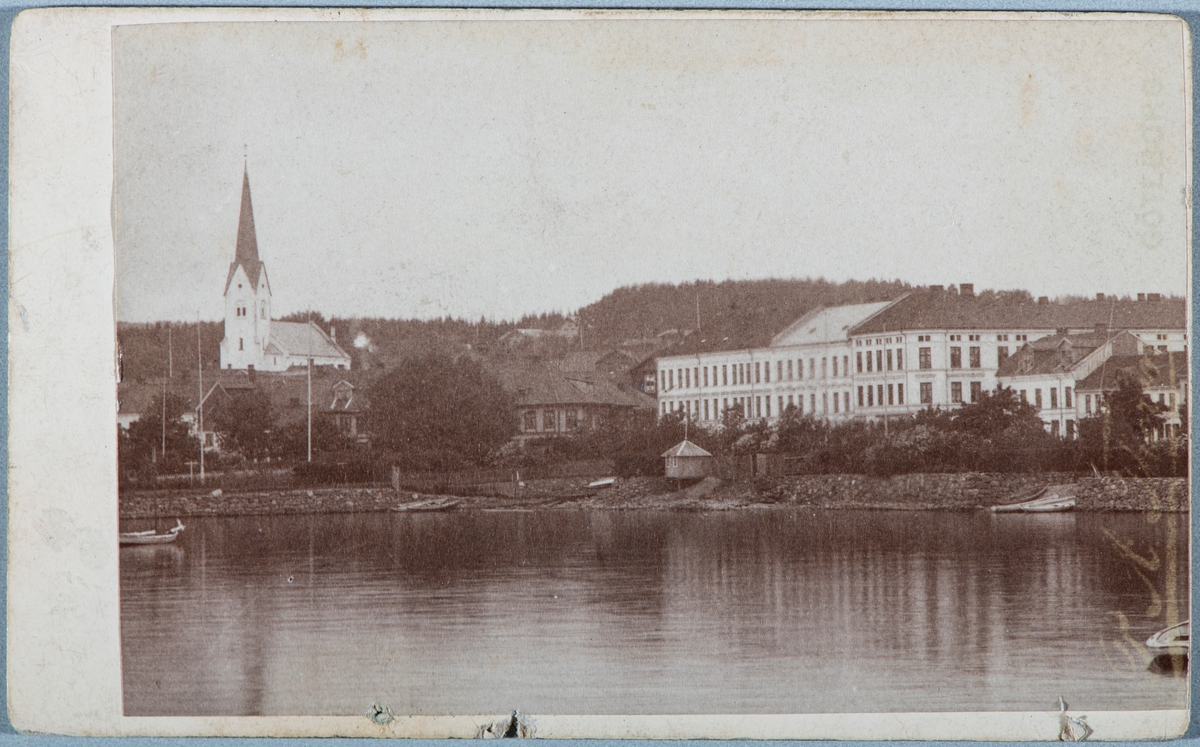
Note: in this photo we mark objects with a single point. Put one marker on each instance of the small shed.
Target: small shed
(686, 459)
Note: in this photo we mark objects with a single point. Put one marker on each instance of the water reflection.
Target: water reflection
(652, 612)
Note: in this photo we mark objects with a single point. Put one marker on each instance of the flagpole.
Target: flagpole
(200, 409)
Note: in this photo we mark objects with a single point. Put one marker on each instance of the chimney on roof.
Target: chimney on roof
(250, 373)
(1043, 300)
(1141, 296)
(1153, 297)
(1099, 296)
(966, 289)
(1101, 329)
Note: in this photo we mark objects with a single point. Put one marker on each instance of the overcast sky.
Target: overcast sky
(497, 168)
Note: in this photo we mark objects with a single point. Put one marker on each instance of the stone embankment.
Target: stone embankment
(969, 491)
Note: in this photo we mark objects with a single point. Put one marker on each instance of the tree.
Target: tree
(437, 413)
(143, 442)
(995, 412)
(244, 422)
(1117, 438)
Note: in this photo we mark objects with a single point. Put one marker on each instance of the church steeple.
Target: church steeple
(246, 253)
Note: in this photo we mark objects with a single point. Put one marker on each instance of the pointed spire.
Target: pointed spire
(247, 242)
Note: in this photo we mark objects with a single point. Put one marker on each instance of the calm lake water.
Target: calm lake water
(754, 611)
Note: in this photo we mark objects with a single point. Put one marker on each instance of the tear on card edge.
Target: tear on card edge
(63, 613)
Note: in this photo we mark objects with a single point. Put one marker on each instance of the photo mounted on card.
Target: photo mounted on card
(603, 374)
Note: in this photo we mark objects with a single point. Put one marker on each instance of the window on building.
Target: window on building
(1162, 399)
(241, 345)
(549, 420)
(529, 418)
(1001, 354)
(664, 412)
(899, 359)
(781, 410)
(973, 338)
(846, 401)
(1160, 336)
(1023, 397)
(899, 394)
(889, 360)
(834, 360)
(824, 368)
(891, 394)
(671, 379)
(836, 403)
(870, 396)
(870, 362)
(687, 378)
(925, 359)
(706, 409)
(262, 313)
(724, 404)
(845, 365)
(1037, 398)
(812, 403)
(791, 400)
(696, 376)
(1054, 398)
(1071, 429)
(1068, 397)
(879, 394)
(800, 404)
(975, 359)
(779, 370)
(706, 376)
(955, 357)
(927, 392)
(976, 391)
(725, 375)
(878, 360)
(956, 392)
(1172, 399)
(758, 407)
(955, 338)
(825, 402)
(858, 361)
(789, 370)
(1054, 428)
(800, 369)
(572, 418)
(757, 373)
(860, 396)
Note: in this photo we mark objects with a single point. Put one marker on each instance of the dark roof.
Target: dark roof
(536, 384)
(1051, 354)
(246, 254)
(1154, 371)
(685, 448)
(940, 309)
(336, 392)
(135, 397)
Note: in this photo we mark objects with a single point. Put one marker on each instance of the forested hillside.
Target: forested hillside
(733, 313)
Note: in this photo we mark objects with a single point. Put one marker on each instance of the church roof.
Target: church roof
(305, 340)
(246, 254)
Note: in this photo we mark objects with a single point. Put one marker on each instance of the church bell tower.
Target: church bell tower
(247, 296)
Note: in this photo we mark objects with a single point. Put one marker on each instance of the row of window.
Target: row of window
(758, 407)
(241, 311)
(743, 373)
(529, 421)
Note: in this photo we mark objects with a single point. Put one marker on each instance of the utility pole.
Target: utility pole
(697, 311)
(310, 361)
(170, 351)
(200, 409)
(164, 421)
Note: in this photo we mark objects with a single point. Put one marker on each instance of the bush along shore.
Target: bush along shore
(961, 491)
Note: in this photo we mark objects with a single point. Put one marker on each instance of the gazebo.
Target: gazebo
(686, 460)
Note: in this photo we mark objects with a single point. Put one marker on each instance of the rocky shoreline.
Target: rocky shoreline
(953, 492)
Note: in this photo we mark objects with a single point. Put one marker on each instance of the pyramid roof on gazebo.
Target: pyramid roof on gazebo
(686, 448)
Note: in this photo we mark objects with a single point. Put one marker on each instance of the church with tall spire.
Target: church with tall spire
(253, 340)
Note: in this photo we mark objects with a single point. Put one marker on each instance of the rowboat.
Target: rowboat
(1052, 499)
(433, 504)
(605, 483)
(151, 536)
(1171, 641)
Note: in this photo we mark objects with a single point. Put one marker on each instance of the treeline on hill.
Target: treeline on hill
(741, 313)
(1000, 433)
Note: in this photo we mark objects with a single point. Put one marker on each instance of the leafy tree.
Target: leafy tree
(143, 442)
(994, 412)
(437, 413)
(244, 422)
(1117, 439)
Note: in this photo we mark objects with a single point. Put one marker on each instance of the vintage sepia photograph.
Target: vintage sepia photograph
(653, 363)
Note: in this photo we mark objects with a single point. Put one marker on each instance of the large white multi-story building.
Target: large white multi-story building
(931, 347)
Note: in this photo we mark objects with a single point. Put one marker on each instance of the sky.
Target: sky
(498, 168)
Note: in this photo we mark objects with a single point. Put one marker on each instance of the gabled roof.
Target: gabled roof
(1058, 353)
(685, 448)
(246, 254)
(539, 384)
(932, 308)
(304, 340)
(1161, 370)
(827, 324)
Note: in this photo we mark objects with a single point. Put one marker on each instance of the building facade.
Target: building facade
(933, 347)
(253, 340)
